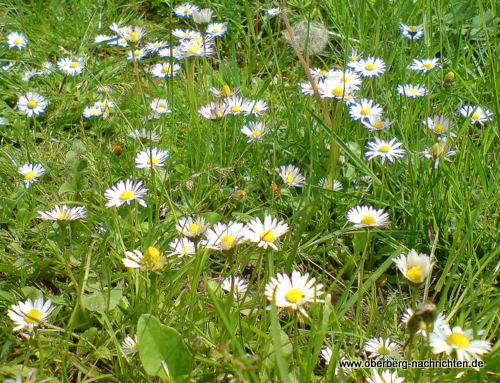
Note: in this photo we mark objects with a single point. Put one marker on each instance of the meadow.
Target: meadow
(248, 191)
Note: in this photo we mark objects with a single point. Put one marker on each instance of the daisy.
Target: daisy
(214, 110)
(92, 111)
(162, 70)
(29, 314)
(413, 91)
(70, 66)
(235, 285)
(306, 88)
(412, 32)
(415, 267)
(225, 237)
(319, 74)
(365, 109)
(64, 213)
(17, 40)
(330, 184)
(291, 175)
(185, 10)
(202, 16)
(254, 130)
(458, 342)
(438, 124)
(29, 74)
(31, 173)
(32, 104)
(191, 48)
(129, 346)
(151, 260)
(132, 34)
(31, 377)
(327, 353)
(265, 233)
(256, 107)
(438, 152)
(150, 135)
(369, 67)
(409, 318)
(136, 54)
(155, 46)
(216, 29)
(126, 192)
(347, 77)
(385, 377)
(160, 106)
(103, 38)
(293, 292)
(384, 149)
(273, 12)
(376, 123)
(150, 157)
(119, 41)
(237, 105)
(45, 69)
(367, 216)
(382, 349)
(334, 88)
(225, 91)
(354, 56)
(191, 227)
(181, 247)
(476, 114)
(187, 34)
(424, 65)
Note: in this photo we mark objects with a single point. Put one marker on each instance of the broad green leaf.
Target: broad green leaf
(98, 301)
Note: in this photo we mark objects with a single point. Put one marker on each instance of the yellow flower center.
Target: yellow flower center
(267, 236)
(34, 315)
(365, 111)
(368, 220)
(423, 325)
(29, 175)
(153, 258)
(166, 69)
(32, 104)
(439, 128)
(414, 274)
(412, 90)
(476, 116)
(256, 133)
(193, 227)
(370, 66)
(73, 64)
(133, 36)
(384, 148)
(194, 48)
(345, 79)
(294, 295)
(436, 150)
(152, 161)
(62, 215)
(226, 91)
(126, 195)
(136, 346)
(378, 125)
(338, 91)
(137, 52)
(257, 108)
(427, 65)
(17, 41)
(215, 30)
(457, 339)
(187, 11)
(227, 240)
(236, 108)
(288, 179)
(323, 72)
(382, 350)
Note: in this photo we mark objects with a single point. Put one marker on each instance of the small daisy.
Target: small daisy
(423, 327)
(31, 173)
(181, 247)
(32, 104)
(225, 91)
(265, 233)
(348, 77)
(187, 34)
(382, 349)
(132, 34)
(460, 343)
(293, 292)
(438, 124)
(291, 175)
(185, 10)
(367, 216)
(476, 114)
(424, 65)
(225, 237)
(119, 41)
(29, 314)
(412, 32)
(162, 70)
(31, 377)
(439, 151)
(29, 74)
(412, 91)
(71, 66)
(273, 12)
(237, 105)
(160, 106)
(376, 123)
(319, 74)
(155, 46)
(415, 267)
(191, 227)
(190, 48)
(254, 130)
(136, 54)
(256, 107)
(64, 213)
(334, 88)
(306, 88)
(126, 192)
(216, 29)
(202, 16)
(235, 285)
(385, 377)
(330, 184)
(103, 38)
(45, 69)
(369, 67)
(92, 111)
(151, 260)
(150, 135)
(17, 40)
(354, 56)
(214, 110)
(129, 346)
(327, 353)
(384, 149)
(365, 109)
(150, 157)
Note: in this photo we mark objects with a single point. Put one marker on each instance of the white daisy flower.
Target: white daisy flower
(202, 16)
(254, 130)
(438, 124)
(439, 151)
(31, 377)
(235, 285)
(412, 32)
(92, 111)
(384, 377)
(216, 29)
(382, 349)
(45, 69)
(415, 267)
(185, 10)
(389, 150)
(460, 343)
(291, 175)
(225, 237)
(367, 216)
(29, 74)
(319, 74)
(335, 88)
(155, 46)
(412, 91)
(17, 40)
(126, 192)
(330, 184)
(214, 110)
(114, 27)
(160, 106)
(273, 12)
(264, 234)
(376, 123)
(132, 34)
(364, 110)
(191, 227)
(476, 114)
(103, 38)
(348, 77)
(191, 48)
(256, 107)
(150, 135)
(28, 315)
(137, 54)
(181, 247)
(294, 292)
(237, 105)
(422, 325)
(225, 91)
(424, 65)
(162, 70)
(306, 88)
(64, 213)
(151, 260)
(187, 34)
(150, 157)
(354, 56)
(71, 66)
(369, 67)
(31, 173)
(119, 41)
(129, 346)
(32, 104)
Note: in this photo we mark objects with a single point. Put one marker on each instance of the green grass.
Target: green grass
(451, 210)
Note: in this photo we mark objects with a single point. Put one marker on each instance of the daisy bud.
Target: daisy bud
(203, 16)
(449, 78)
